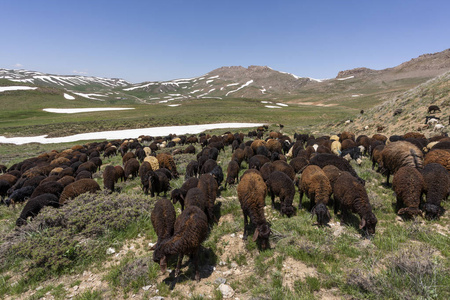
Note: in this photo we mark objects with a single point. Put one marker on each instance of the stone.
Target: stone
(226, 290)
(220, 280)
(110, 251)
(234, 265)
(147, 287)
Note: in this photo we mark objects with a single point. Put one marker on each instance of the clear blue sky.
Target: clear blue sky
(161, 40)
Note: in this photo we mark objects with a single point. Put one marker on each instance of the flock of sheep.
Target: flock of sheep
(318, 167)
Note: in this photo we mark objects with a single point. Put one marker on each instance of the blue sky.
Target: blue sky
(162, 40)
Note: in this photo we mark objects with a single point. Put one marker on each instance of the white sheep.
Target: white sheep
(439, 127)
(432, 121)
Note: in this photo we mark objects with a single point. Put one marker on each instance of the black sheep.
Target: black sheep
(131, 168)
(158, 183)
(436, 188)
(20, 195)
(257, 161)
(163, 220)
(195, 197)
(191, 229)
(279, 184)
(34, 206)
(408, 185)
(433, 109)
(208, 166)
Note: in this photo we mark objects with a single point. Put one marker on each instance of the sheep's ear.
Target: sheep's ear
(362, 224)
(255, 235)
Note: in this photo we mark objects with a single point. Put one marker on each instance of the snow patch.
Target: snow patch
(233, 84)
(281, 104)
(69, 97)
(241, 87)
(122, 134)
(266, 102)
(81, 110)
(174, 105)
(271, 106)
(346, 78)
(16, 88)
(89, 96)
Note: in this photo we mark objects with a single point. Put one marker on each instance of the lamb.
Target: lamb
(251, 193)
(77, 188)
(34, 206)
(408, 184)
(439, 127)
(191, 169)
(349, 194)
(131, 168)
(400, 154)
(279, 184)
(317, 187)
(324, 159)
(178, 195)
(436, 188)
(191, 228)
(232, 173)
(166, 161)
(20, 195)
(163, 220)
(109, 178)
(439, 156)
(209, 187)
(158, 182)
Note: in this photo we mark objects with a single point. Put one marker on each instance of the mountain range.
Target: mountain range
(258, 82)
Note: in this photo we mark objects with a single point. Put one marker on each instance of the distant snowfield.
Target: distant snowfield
(346, 78)
(124, 134)
(81, 110)
(174, 105)
(69, 97)
(272, 106)
(16, 88)
(281, 104)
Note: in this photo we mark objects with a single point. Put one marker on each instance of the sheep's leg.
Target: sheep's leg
(245, 227)
(300, 200)
(177, 270)
(399, 204)
(195, 258)
(272, 196)
(312, 202)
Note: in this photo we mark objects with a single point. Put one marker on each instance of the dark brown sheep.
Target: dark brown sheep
(120, 173)
(232, 173)
(109, 178)
(66, 180)
(376, 156)
(191, 229)
(251, 193)
(127, 157)
(400, 154)
(436, 188)
(408, 185)
(347, 144)
(195, 197)
(239, 156)
(87, 166)
(110, 151)
(209, 187)
(279, 184)
(143, 174)
(163, 220)
(131, 168)
(350, 195)
(298, 163)
(316, 185)
(20, 195)
(325, 159)
(83, 175)
(257, 161)
(189, 149)
(332, 173)
(34, 206)
(158, 182)
(191, 169)
(439, 156)
(52, 187)
(208, 166)
(178, 195)
(77, 188)
(282, 166)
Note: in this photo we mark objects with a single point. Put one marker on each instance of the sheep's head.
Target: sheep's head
(368, 223)
(323, 215)
(262, 232)
(432, 211)
(160, 257)
(288, 210)
(176, 196)
(21, 222)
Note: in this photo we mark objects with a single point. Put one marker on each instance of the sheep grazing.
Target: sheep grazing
(433, 109)
(109, 178)
(34, 206)
(325, 159)
(436, 188)
(158, 182)
(153, 162)
(120, 173)
(298, 164)
(251, 193)
(163, 220)
(166, 161)
(257, 161)
(332, 174)
(439, 156)
(208, 166)
(408, 184)
(77, 188)
(195, 197)
(376, 156)
(51, 187)
(191, 169)
(178, 195)
(209, 187)
(350, 195)
(131, 168)
(191, 229)
(20, 195)
(279, 184)
(400, 154)
(143, 174)
(232, 173)
(315, 183)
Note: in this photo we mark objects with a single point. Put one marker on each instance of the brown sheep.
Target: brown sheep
(332, 173)
(109, 178)
(131, 168)
(257, 161)
(239, 155)
(66, 180)
(325, 159)
(436, 188)
(209, 187)
(256, 143)
(158, 182)
(77, 188)
(273, 145)
(279, 184)
(127, 157)
(87, 166)
(317, 187)
(350, 195)
(282, 166)
(299, 164)
(439, 156)
(376, 156)
(163, 220)
(251, 193)
(143, 174)
(51, 187)
(408, 185)
(120, 173)
(34, 206)
(191, 229)
(400, 154)
(195, 197)
(178, 195)
(347, 144)
(347, 135)
(232, 173)
(166, 161)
